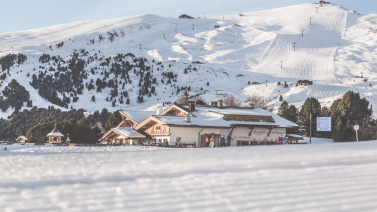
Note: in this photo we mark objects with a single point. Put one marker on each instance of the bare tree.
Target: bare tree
(183, 100)
(231, 101)
(257, 101)
(100, 126)
(199, 100)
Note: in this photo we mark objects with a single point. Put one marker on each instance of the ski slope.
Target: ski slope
(319, 177)
(337, 46)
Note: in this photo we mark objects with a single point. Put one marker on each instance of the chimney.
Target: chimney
(220, 103)
(160, 109)
(188, 118)
(191, 106)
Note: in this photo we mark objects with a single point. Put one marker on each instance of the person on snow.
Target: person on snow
(223, 141)
(282, 139)
(212, 142)
(229, 140)
(278, 140)
(226, 142)
(207, 142)
(220, 141)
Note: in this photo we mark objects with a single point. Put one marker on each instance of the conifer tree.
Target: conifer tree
(346, 112)
(114, 120)
(311, 106)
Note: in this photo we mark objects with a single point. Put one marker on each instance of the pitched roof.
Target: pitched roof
(137, 116)
(129, 132)
(214, 117)
(55, 132)
(22, 137)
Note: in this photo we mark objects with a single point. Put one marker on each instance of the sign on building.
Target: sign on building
(323, 123)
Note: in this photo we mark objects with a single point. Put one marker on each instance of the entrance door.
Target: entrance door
(203, 141)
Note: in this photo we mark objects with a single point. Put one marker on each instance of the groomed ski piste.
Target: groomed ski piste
(337, 46)
(322, 176)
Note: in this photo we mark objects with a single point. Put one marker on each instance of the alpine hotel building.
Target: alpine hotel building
(191, 124)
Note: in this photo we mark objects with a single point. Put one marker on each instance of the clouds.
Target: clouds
(26, 14)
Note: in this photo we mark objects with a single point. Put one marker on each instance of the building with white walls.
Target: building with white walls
(192, 124)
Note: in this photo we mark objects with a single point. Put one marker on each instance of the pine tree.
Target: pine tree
(280, 98)
(93, 98)
(346, 112)
(114, 120)
(311, 106)
(283, 110)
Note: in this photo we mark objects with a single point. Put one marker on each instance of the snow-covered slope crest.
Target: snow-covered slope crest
(328, 45)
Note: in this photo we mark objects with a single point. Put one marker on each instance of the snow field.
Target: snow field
(322, 177)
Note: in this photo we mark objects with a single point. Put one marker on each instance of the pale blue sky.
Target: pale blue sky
(18, 15)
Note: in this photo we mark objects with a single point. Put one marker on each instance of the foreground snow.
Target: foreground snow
(321, 177)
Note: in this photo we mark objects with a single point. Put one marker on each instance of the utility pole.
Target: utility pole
(164, 35)
(140, 46)
(302, 33)
(311, 20)
(175, 31)
(266, 82)
(294, 46)
(281, 64)
(310, 128)
(193, 27)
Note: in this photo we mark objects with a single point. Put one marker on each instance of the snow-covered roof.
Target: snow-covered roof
(54, 133)
(214, 116)
(138, 116)
(22, 137)
(294, 135)
(129, 132)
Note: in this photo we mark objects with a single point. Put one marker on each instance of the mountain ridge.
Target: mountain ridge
(336, 46)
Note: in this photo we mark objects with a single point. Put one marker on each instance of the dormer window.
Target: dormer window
(158, 128)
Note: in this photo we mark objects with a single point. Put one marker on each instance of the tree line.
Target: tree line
(345, 112)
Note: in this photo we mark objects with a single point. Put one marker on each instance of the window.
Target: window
(158, 128)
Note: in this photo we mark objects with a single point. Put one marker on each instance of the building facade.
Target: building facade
(193, 124)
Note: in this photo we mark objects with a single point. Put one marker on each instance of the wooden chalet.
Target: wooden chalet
(186, 16)
(124, 133)
(217, 26)
(21, 139)
(191, 124)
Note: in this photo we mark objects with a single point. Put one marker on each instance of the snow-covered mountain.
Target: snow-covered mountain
(333, 46)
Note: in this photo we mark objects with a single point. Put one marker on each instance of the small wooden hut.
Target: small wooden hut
(55, 136)
(186, 16)
(21, 139)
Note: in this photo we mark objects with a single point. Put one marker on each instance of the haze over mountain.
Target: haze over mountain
(159, 58)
